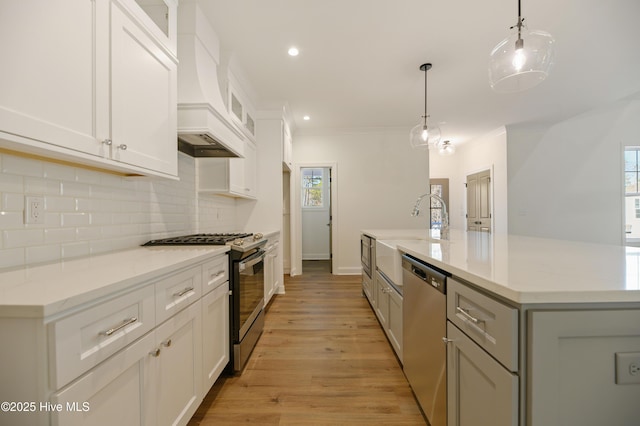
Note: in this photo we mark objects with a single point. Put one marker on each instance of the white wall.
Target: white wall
(565, 180)
(486, 153)
(379, 179)
(90, 212)
(315, 232)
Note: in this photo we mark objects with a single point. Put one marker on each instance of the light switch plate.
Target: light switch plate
(627, 368)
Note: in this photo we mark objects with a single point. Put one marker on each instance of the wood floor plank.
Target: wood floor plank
(322, 360)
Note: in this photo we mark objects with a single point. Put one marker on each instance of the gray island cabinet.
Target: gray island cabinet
(539, 332)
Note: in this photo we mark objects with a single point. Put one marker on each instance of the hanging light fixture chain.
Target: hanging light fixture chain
(425, 97)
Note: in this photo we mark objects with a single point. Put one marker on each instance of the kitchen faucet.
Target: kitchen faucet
(444, 227)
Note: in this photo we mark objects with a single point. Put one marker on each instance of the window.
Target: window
(439, 187)
(312, 185)
(637, 200)
(631, 171)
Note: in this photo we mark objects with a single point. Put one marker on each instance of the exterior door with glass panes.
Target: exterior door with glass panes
(439, 187)
(632, 196)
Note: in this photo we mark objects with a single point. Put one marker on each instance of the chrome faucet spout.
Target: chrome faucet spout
(444, 227)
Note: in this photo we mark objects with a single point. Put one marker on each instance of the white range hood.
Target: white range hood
(205, 128)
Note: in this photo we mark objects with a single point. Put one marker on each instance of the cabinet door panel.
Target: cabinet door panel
(48, 75)
(144, 99)
(116, 392)
(179, 366)
(215, 334)
(480, 391)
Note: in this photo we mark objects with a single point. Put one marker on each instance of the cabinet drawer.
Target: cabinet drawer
(176, 292)
(214, 273)
(87, 338)
(491, 324)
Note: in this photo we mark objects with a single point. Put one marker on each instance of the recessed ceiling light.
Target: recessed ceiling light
(293, 51)
(306, 118)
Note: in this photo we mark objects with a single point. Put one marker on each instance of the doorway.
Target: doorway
(316, 217)
(439, 187)
(479, 211)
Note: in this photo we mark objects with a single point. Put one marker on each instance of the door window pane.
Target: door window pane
(312, 184)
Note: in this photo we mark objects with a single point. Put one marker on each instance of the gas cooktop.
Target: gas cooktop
(238, 241)
(200, 239)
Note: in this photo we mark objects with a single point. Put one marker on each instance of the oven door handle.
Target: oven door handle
(254, 259)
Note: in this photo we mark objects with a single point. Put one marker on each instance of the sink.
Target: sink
(388, 260)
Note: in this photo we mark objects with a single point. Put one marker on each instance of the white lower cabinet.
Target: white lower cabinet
(215, 333)
(117, 392)
(124, 360)
(480, 391)
(388, 309)
(177, 369)
(272, 274)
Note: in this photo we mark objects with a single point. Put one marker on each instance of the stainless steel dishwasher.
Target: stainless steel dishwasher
(424, 319)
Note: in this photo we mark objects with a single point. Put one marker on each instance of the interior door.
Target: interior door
(479, 201)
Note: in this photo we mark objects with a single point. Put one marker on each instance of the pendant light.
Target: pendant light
(422, 135)
(522, 60)
(446, 148)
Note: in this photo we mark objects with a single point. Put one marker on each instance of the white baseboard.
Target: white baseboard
(316, 256)
(349, 271)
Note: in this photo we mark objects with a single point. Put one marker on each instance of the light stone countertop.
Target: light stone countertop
(45, 290)
(529, 270)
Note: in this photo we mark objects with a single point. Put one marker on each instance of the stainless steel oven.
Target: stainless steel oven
(246, 285)
(247, 297)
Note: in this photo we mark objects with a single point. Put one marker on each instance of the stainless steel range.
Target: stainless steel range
(246, 285)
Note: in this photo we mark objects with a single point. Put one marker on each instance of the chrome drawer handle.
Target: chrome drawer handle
(155, 352)
(166, 343)
(216, 275)
(183, 292)
(446, 341)
(465, 313)
(119, 327)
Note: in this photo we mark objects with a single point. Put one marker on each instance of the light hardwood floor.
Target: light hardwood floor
(322, 359)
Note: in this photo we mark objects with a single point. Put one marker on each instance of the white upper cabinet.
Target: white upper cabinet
(235, 177)
(91, 82)
(287, 147)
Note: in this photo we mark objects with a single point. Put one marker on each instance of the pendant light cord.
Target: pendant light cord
(425, 98)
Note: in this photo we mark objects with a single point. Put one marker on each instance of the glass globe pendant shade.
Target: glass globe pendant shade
(521, 61)
(446, 148)
(423, 136)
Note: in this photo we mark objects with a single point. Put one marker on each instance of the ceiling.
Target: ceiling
(359, 60)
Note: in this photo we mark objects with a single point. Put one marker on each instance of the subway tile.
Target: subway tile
(59, 235)
(59, 172)
(40, 254)
(59, 204)
(75, 189)
(88, 233)
(76, 249)
(11, 257)
(11, 183)
(99, 219)
(11, 220)
(88, 176)
(22, 166)
(52, 220)
(100, 246)
(75, 219)
(41, 186)
(12, 202)
(22, 237)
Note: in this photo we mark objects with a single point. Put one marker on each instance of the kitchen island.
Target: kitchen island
(540, 331)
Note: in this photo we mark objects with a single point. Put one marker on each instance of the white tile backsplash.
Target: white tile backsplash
(92, 212)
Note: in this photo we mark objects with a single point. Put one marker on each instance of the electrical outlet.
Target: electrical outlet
(33, 210)
(627, 368)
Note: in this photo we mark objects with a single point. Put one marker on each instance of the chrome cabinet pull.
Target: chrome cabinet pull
(465, 313)
(446, 341)
(166, 343)
(125, 323)
(183, 292)
(107, 142)
(122, 147)
(155, 352)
